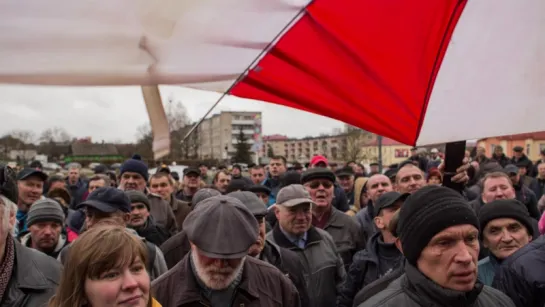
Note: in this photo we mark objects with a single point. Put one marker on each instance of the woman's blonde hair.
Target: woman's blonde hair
(95, 252)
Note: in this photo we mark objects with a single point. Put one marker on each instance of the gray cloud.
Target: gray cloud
(114, 113)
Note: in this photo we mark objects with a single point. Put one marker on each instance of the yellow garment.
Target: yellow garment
(155, 303)
(358, 187)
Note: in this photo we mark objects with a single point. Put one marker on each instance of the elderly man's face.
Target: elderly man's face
(346, 182)
(321, 192)
(450, 258)
(132, 182)
(504, 236)
(409, 179)
(191, 181)
(497, 188)
(295, 220)
(378, 185)
(517, 154)
(45, 235)
(215, 273)
(30, 190)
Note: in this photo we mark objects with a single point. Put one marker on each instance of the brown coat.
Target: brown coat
(181, 209)
(262, 285)
(175, 248)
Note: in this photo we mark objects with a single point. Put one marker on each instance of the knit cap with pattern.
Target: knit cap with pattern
(426, 213)
(45, 210)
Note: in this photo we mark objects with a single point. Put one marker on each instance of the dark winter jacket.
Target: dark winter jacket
(368, 265)
(153, 232)
(289, 264)
(365, 219)
(77, 191)
(521, 275)
(414, 289)
(528, 198)
(379, 285)
(502, 160)
(526, 162)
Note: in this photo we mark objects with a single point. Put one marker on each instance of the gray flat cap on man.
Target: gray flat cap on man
(203, 194)
(221, 227)
(293, 195)
(251, 201)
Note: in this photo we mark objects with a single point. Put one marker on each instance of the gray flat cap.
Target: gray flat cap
(221, 227)
(251, 201)
(203, 194)
(293, 195)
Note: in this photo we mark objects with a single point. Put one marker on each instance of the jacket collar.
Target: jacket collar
(27, 274)
(431, 294)
(280, 239)
(334, 219)
(26, 241)
(190, 292)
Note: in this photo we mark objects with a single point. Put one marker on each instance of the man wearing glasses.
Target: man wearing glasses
(346, 232)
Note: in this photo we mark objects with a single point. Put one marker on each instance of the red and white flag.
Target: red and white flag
(417, 71)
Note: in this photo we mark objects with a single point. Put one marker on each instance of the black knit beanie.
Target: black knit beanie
(427, 212)
(505, 208)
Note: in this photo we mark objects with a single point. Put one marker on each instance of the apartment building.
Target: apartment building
(302, 150)
(218, 133)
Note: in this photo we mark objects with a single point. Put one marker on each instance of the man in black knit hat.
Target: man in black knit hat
(506, 227)
(438, 234)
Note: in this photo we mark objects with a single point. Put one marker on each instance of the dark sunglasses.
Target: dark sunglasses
(316, 184)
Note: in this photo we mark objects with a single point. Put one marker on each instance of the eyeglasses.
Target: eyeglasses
(316, 184)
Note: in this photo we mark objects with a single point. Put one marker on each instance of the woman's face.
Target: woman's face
(126, 286)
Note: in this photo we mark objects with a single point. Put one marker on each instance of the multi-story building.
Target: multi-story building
(219, 133)
(533, 144)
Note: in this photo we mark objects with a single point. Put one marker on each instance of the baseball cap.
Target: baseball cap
(511, 169)
(389, 199)
(345, 171)
(192, 170)
(317, 159)
(108, 200)
(293, 195)
(221, 227)
(29, 172)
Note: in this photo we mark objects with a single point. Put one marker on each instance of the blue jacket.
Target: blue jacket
(521, 277)
(487, 269)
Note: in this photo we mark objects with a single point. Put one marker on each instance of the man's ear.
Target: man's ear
(398, 245)
(378, 222)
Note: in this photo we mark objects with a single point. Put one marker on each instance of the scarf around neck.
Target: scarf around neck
(6, 266)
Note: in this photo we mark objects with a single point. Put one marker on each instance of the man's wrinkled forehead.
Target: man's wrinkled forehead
(375, 180)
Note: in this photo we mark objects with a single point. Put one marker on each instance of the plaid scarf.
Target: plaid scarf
(6, 266)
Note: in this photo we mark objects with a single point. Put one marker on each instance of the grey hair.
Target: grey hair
(8, 209)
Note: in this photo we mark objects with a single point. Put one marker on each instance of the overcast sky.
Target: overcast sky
(114, 113)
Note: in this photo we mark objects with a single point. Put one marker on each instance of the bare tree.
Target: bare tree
(353, 145)
(27, 137)
(55, 135)
(144, 144)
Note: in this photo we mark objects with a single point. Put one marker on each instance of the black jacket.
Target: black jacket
(366, 268)
(528, 198)
(34, 280)
(289, 264)
(379, 285)
(414, 289)
(153, 232)
(521, 275)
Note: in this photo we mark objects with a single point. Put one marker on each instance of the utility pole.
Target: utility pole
(379, 141)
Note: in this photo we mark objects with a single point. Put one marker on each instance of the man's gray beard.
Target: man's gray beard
(215, 284)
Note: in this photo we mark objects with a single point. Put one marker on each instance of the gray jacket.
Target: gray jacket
(34, 280)
(159, 264)
(413, 289)
(347, 235)
(322, 265)
(162, 213)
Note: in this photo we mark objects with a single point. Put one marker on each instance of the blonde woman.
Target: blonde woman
(105, 267)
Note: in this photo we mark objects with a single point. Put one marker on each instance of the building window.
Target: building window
(401, 153)
(492, 148)
(528, 149)
(541, 147)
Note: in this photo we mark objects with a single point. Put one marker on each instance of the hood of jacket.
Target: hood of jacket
(26, 241)
(358, 187)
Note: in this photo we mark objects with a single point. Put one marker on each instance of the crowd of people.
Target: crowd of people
(316, 236)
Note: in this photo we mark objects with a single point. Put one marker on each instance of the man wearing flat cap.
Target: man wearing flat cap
(283, 259)
(346, 232)
(520, 158)
(176, 247)
(218, 269)
(506, 226)
(439, 237)
(322, 264)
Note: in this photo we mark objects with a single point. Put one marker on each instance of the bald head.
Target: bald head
(409, 179)
(377, 185)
